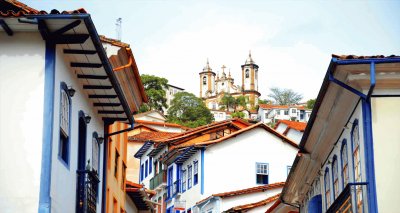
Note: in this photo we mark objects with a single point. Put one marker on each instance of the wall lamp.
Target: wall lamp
(100, 139)
(71, 91)
(87, 118)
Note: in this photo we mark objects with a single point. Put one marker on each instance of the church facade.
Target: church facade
(213, 86)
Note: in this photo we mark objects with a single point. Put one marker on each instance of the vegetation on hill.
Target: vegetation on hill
(155, 90)
(285, 96)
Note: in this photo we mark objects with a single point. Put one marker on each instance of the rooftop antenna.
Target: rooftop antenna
(118, 26)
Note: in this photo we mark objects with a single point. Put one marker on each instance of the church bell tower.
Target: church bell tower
(207, 81)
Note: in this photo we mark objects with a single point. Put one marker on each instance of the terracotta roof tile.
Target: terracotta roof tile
(246, 191)
(160, 124)
(13, 8)
(249, 206)
(145, 136)
(272, 106)
(345, 57)
(299, 126)
(114, 42)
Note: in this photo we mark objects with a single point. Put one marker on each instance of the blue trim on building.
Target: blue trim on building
(369, 156)
(63, 86)
(325, 183)
(202, 171)
(48, 120)
(344, 143)
(334, 160)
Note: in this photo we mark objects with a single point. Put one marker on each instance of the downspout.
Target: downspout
(128, 50)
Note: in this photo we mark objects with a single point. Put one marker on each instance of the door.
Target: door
(80, 189)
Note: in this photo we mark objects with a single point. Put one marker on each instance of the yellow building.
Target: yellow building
(213, 86)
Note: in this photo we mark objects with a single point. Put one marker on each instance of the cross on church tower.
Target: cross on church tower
(223, 68)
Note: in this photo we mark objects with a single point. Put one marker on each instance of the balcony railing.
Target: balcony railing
(352, 199)
(88, 182)
(173, 189)
(159, 179)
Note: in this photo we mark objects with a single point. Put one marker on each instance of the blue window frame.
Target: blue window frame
(65, 127)
(146, 168)
(170, 182)
(262, 173)
(150, 165)
(95, 152)
(189, 176)
(327, 183)
(195, 172)
(141, 172)
(183, 180)
(335, 177)
(345, 164)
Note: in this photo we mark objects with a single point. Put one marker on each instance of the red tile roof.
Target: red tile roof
(249, 206)
(114, 42)
(344, 57)
(145, 136)
(160, 124)
(299, 126)
(234, 134)
(246, 191)
(13, 8)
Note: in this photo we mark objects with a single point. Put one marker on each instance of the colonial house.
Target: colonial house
(349, 151)
(152, 115)
(59, 99)
(291, 129)
(268, 113)
(170, 95)
(153, 173)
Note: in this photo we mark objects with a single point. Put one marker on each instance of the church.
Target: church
(214, 86)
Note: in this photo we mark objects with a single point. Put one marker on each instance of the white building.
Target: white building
(57, 86)
(249, 157)
(291, 129)
(268, 113)
(350, 149)
(152, 115)
(170, 95)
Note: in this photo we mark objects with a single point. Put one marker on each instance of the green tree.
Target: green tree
(228, 101)
(285, 96)
(238, 115)
(241, 101)
(155, 90)
(188, 110)
(310, 104)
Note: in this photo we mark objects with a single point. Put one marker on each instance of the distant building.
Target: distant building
(291, 129)
(268, 113)
(350, 151)
(153, 115)
(170, 95)
(213, 86)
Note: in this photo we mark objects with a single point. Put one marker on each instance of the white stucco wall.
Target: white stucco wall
(22, 62)
(223, 161)
(281, 128)
(64, 198)
(294, 135)
(386, 138)
(130, 206)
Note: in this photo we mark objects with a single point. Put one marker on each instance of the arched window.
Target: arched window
(345, 163)
(355, 140)
(247, 73)
(204, 80)
(327, 183)
(65, 114)
(335, 177)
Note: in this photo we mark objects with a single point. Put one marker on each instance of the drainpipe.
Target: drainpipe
(128, 50)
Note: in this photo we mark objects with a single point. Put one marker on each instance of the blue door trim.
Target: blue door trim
(202, 171)
(48, 117)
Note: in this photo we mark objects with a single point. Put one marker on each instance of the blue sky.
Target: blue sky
(291, 41)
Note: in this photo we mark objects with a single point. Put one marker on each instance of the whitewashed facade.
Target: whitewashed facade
(273, 113)
(354, 133)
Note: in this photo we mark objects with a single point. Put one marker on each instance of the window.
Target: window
(335, 177)
(123, 176)
(293, 110)
(65, 111)
(262, 173)
(247, 73)
(183, 180)
(286, 112)
(189, 176)
(355, 137)
(146, 168)
(141, 172)
(345, 170)
(150, 165)
(204, 80)
(327, 189)
(195, 172)
(95, 152)
(116, 163)
(288, 170)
